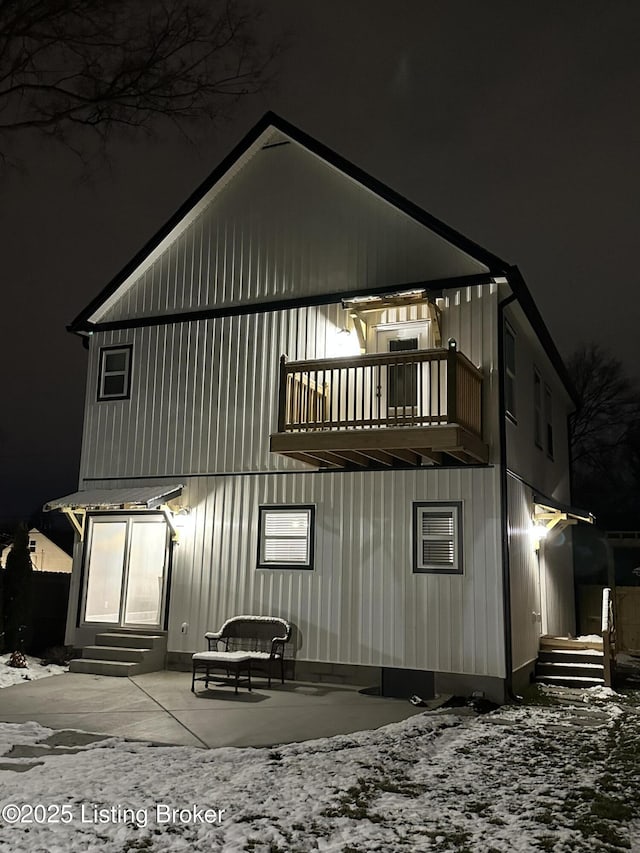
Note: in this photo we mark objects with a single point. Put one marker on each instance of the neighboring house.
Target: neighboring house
(45, 555)
(384, 486)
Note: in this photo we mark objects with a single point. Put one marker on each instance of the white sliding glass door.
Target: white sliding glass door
(125, 570)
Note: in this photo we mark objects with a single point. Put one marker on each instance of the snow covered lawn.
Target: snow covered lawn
(555, 778)
(10, 675)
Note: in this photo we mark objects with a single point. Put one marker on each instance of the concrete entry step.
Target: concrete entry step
(122, 669)
(122, 654)
(137, 641)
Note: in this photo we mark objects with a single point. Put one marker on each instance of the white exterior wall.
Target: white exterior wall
(531, 463)
(539, 582)
(204, 394)
(524, 574)
(361, 604)
(287, 225)
(556, 560)
(542, 589)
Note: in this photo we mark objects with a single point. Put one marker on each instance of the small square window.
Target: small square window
(114, 378)
(285, 537)
(437, 537)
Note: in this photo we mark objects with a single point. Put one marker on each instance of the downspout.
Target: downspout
(506, 582)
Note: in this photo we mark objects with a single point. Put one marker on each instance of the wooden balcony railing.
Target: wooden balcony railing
(416, 388)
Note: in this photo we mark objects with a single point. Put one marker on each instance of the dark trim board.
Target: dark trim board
(322, 471)
(433, 288)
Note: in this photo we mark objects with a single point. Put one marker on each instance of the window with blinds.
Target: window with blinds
(437, 541)
(285, 537)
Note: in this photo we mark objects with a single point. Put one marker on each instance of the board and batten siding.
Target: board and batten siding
(524, 572)
(361, 604)
(542, 588)
(287, 225)
(204, 394)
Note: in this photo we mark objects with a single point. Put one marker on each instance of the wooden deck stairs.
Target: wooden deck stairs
(570, 663)
(122, 655)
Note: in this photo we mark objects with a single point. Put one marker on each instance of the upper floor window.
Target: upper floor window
(114, 378)
(285, 537)
(537, 409)
(437, 537)
(510, 371)
(548, 414)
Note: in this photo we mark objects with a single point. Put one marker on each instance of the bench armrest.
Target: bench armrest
(214, 639)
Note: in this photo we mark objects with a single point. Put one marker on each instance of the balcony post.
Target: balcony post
(452, 375)
(282, 397)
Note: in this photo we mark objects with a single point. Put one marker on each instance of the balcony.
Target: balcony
(381, 409)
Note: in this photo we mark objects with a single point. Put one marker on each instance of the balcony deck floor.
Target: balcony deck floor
(390, 446)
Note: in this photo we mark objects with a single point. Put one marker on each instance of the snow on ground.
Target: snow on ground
(560, 778)
(10, 675)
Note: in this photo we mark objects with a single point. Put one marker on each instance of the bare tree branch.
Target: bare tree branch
(605, 429)
(99, 64)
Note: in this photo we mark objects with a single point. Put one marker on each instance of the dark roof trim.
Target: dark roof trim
(433, 287)
(493, 262)
(524, 297)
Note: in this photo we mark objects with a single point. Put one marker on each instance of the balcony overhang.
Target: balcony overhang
(390, 447)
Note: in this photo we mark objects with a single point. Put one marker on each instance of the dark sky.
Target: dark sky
(518, 124)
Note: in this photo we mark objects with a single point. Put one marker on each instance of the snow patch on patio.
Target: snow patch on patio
(10, 675)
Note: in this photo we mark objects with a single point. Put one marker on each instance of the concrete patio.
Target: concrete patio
(159, 707)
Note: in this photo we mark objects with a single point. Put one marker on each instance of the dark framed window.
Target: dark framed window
(537, 409)
(286, 536)
(510, 371)
(437, 537)
(114, 374)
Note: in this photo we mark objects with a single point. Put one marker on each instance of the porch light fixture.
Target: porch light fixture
(548, 517)
(539, 532)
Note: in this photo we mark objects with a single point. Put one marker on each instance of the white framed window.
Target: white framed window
(548, 416)
(114, 377)
(285, 537)
(510, 371)
(537, 408)
(32, 546)
(437, 537)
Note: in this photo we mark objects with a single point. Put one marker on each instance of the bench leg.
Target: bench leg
(249, 675)
(193, 679)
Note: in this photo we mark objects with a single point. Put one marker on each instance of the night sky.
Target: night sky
(518, 124)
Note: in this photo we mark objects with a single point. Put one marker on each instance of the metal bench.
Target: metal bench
(262, 638)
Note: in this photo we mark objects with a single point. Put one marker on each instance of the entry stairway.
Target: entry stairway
(571, 662)
(122, 655)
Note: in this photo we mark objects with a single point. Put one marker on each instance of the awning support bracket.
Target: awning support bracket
(77, 517)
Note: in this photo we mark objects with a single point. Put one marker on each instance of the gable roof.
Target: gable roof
(269, 123)
(276, 130)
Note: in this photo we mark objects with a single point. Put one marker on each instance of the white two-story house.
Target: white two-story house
(308, 398)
